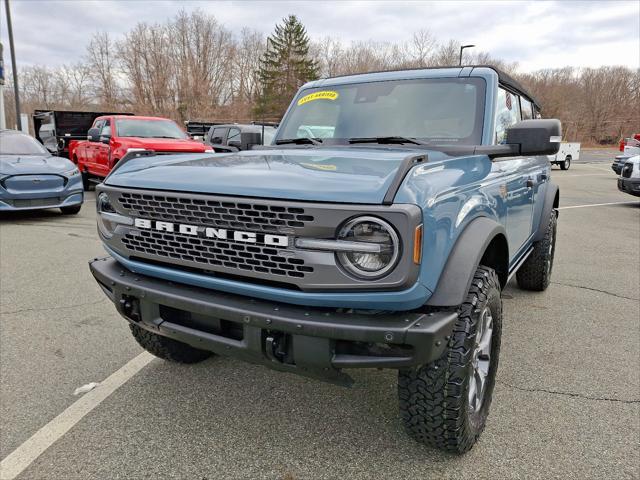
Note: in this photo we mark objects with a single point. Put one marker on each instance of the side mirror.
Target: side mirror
(536, 137)
(216, 140)
(234, 143)
(105, 139)
(93, 135)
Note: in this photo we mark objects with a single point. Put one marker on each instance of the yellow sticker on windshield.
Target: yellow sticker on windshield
(324, 95)
(320, 166)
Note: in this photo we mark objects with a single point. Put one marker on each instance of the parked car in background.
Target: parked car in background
(629, 180)
(568, 152)
(241, 136)
(31, 178)
(384, 244)
(56, 128)
(112, 136)
(198, 130)
(630, 148)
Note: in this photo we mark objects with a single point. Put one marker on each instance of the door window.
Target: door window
(507, 113)
(234, 136)
(106, 129)
(218, 135)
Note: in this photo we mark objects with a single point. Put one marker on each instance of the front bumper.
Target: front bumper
(40, 195)
(315, 342)
(629, 185)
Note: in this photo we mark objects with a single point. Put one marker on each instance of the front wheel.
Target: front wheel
(566, 163)
(73, 210)
(445, 404)
(167, 348)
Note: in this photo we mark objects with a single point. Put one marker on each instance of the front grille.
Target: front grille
(627, 169)
(35, 202)
(215, 253)
(223, 214)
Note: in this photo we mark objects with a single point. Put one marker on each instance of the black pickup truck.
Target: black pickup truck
(56, 128)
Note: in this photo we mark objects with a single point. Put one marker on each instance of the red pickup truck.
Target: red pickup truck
(111, 136)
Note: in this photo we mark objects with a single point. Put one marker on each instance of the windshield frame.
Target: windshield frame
(118, 125)
(475, 138)
(41, 149)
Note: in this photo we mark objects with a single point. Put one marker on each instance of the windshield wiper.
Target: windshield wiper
(383, 140)
(313, 141)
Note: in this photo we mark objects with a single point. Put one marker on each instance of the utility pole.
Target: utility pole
(462, 47)
(16, 88)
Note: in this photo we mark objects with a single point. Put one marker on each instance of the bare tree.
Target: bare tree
(101, 61)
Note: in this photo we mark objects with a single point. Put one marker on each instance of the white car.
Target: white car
(629, 180)
(568, 151)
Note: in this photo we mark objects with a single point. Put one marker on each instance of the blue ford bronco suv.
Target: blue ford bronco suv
(377, 231)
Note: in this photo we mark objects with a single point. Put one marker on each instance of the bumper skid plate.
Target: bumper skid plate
(313, 342)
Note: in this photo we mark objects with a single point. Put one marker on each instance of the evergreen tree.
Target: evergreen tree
(285, 66)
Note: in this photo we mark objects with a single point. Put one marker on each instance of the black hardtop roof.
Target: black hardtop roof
(504, 78)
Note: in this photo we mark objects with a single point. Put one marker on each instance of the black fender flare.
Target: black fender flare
(463, 261)
(551, 199)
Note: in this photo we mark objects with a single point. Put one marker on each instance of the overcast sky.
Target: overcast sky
(537, 34)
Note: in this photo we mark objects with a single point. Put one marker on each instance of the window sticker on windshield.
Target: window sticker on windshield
(324, 95)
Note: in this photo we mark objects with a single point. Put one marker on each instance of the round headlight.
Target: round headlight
(103, 206)
(380, 247)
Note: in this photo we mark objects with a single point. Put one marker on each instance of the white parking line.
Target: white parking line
(18, 460)
(590, 175)
(596, 205)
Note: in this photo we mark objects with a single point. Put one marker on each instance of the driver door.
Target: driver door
(518, 176)
(102, 150)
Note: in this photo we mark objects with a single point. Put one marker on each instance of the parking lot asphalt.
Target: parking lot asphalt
(566, 404)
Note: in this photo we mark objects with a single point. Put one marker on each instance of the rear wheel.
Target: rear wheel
(566, 163)
(71, 210)
(167, 348)
(446, 403)
(86, 183)
(535, 272)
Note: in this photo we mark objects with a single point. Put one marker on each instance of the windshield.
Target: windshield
(18, 144)
(133, 127)
(441, 111)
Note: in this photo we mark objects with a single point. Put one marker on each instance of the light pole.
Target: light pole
(462, 47)
(16, 89)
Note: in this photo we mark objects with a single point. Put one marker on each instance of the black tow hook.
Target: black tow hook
(275, 347)
(130, 307)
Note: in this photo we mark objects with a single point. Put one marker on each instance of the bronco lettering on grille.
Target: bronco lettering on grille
(210, 232)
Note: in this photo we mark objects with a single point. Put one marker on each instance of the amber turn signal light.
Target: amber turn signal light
(417, 245)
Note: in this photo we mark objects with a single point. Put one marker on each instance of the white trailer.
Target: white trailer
(568, 152)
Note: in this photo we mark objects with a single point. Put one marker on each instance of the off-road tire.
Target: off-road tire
(86, 183)
(535, 272)
(564, 165)
(71, 210)
(434, 398)
(167, 348)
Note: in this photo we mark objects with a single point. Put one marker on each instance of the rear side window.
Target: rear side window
(507, 113)
(527, 109)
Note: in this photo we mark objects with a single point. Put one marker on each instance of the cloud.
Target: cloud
(535, 34)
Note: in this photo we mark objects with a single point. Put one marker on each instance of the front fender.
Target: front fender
(456, 277)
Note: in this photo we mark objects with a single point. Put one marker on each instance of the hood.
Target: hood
(33, 164)
(165, 144)
(343, 175)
